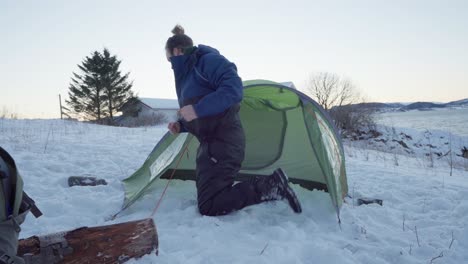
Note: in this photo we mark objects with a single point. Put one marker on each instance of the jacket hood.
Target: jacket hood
(184, 63)
(203, 49)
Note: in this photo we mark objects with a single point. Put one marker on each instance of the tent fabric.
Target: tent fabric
(283, 127)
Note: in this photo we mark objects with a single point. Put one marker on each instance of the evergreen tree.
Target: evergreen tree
(86, 96)
(116, 87)
(101, 90)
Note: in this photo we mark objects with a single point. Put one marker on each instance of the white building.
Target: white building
(289, 84)
(151, 106)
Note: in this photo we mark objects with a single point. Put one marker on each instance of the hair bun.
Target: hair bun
(178, 30)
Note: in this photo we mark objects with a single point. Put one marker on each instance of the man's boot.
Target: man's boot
(276, 187)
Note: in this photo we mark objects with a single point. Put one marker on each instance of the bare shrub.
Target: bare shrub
(430, 155)
(340, 97)
(329, 89)
(450, 152)
(6, 114)
(352, 118)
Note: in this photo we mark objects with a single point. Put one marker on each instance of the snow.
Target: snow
(425, 146)
(418, 198)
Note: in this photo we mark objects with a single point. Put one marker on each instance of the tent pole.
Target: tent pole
(338, 216)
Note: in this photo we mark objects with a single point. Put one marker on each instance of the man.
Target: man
(209, 91)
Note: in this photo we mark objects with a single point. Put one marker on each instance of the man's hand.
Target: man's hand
(188, 113)
(174, 127)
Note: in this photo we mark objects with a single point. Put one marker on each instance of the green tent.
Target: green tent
(284, 128)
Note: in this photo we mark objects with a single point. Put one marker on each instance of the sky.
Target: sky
(393, 51)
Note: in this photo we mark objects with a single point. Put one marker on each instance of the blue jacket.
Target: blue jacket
(207, 80)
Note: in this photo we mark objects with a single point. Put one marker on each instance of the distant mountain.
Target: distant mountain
(380, 105)
(373, 105)
(462, 102)
(422, 106)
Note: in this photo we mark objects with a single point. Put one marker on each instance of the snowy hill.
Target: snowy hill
(463, 102)
(424, 213)
(391, 107)
(422, 106)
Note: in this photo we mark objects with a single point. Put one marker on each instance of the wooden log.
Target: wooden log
(103, 244)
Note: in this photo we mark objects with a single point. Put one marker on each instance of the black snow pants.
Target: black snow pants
(219, 159)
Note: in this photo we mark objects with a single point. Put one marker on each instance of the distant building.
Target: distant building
(289, 84)
(151, 106)
(148, 112)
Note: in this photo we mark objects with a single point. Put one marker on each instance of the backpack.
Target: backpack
(14, 206)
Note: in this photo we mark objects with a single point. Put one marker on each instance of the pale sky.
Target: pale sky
(394, 51)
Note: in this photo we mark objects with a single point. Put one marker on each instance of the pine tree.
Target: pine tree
(116, 86)
(101, 90)
(86, 96)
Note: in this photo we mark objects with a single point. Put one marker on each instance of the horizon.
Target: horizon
(6, 112)
(392, 51)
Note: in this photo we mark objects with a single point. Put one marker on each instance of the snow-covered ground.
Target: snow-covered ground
(424, 213)
(429, 147)
(447, 119)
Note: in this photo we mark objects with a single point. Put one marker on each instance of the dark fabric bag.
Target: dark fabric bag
(14, 206)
